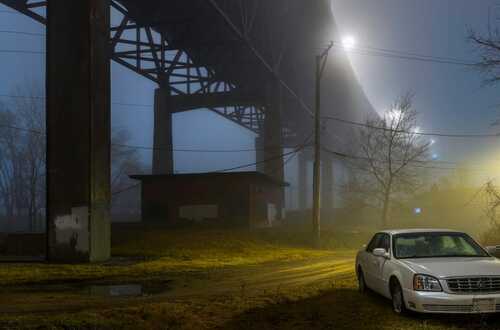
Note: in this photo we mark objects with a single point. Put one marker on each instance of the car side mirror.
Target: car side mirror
(493, 250)
(381, 253)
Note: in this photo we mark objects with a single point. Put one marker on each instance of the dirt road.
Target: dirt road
(257, 279)
(249, 281)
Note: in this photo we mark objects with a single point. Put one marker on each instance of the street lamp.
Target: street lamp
(321, 61)
(348, 42)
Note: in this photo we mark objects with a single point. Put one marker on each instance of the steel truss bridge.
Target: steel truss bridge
(221, 54)
(249, 61)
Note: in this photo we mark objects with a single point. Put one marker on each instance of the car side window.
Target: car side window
(374, 243)
(385, 243)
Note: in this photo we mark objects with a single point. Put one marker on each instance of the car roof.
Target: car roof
(418, 230)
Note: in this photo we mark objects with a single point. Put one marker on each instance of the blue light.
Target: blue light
(418, 210)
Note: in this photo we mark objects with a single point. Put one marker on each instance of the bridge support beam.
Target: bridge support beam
(269, 146)
(260, 154)
(302, 181)
(78, 131)
(327, 183)
(163, 156)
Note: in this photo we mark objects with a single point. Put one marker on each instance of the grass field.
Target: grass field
(157, 254)
(152, 253)
(337, 305)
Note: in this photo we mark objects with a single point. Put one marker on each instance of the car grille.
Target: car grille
(452, 308)
(465, 285)
(449, 308)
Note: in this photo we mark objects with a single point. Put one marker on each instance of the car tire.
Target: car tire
(361, 282)
(398, 300)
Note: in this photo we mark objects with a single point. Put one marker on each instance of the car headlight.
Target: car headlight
(426, 283)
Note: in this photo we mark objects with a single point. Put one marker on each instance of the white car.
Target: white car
(430, 271)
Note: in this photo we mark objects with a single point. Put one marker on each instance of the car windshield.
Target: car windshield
(435, 245)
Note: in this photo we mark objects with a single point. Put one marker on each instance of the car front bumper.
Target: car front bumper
(442, 302)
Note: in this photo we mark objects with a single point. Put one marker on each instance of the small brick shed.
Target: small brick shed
(239, 198)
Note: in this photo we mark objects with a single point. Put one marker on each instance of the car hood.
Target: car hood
(451, 267)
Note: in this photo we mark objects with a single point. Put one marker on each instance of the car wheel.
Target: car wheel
(361, 282)
(398, 301)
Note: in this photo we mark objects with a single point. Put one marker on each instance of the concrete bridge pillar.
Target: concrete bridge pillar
(163, 156)
(327, 183)
(269, 145)
(272, 139)
(260, 154)
(78, 131)
(302, 181)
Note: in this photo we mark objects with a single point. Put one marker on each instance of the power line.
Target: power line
(477, 136)
(403, 57)
(202, 150)
(410, 163)
(34, 34)
(292, 155)
(304, 145)
(296, 148)
(166, 148)
(390, 53)
(20, 51)
(139, 105)
(420, 55)
(22, 129)
(365, 50)
(257, 163)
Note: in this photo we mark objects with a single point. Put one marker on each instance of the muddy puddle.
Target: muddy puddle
(97, 290)
(125, 290)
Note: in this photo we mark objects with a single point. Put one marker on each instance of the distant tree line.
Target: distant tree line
(23, 158)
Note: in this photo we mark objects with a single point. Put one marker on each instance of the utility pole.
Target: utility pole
(321, 61)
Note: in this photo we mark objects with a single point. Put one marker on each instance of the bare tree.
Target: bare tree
(392, 153)
(488, 47)
(125, 160)
(22, 157)
(492, 195)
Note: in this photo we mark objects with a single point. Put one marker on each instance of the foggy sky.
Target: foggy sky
(449, 98)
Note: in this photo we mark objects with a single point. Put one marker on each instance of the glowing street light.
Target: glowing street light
(348, 42)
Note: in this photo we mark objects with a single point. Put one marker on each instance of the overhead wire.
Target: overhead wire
(162, 148)
(331, 118)
(138, 105)
(397, 54)
(292, 154)
(435, 134)
(412, 163)
(295, 151)
(200, 150)
(34, 34)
